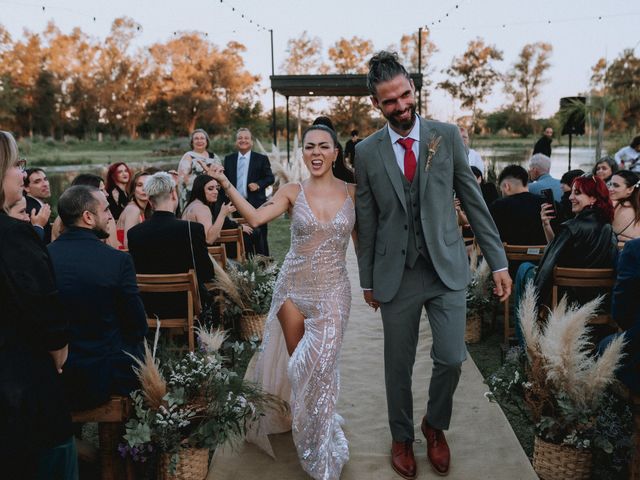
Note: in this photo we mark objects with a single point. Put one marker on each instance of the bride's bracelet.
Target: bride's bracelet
(225, 186)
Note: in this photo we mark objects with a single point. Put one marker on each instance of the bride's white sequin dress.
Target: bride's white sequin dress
(314, 278)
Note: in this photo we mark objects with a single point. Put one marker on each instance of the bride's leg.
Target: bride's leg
(292, 323)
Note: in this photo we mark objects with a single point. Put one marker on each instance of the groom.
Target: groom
(411, 255)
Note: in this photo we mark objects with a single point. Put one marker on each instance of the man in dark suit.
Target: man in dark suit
(99, 294)
(164, 244)
(37, 193)
(250, 172)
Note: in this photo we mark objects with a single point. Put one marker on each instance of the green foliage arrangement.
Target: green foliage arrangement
(194, 401)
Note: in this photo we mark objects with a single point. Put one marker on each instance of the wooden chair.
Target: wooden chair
(218, 253)
(111, 418)
(234, 235)
(174, 282)
(518, 253)
(584, 277)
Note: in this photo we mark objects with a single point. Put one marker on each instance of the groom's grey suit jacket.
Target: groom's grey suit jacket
(382, 217)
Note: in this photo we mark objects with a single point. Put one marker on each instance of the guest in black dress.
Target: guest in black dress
(35, 426)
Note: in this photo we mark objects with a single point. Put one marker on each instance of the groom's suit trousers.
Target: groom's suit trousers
(446, 312)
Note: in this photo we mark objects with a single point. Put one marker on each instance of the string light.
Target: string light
(446, 15)
(547, 21)
(245, 17)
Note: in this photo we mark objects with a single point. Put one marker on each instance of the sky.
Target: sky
(580, 31)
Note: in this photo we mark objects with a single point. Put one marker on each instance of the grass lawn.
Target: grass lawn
(279, 238)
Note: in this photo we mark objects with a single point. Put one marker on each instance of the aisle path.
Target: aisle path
(482, 442)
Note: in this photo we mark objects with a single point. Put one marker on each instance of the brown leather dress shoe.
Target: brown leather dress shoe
(437, 448)
(402, 459)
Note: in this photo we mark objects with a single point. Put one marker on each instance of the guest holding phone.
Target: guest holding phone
(585, 241)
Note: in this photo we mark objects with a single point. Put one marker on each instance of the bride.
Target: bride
(298, 359)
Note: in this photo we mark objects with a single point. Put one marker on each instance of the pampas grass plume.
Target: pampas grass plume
(211, 339)
(154, 387)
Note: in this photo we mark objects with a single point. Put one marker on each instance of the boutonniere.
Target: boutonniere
(432, 148)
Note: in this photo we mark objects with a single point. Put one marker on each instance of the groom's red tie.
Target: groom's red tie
(409, 158)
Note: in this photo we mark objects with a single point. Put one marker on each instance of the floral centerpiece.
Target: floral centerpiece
(247, 289)
(564, 388)
(190, 405)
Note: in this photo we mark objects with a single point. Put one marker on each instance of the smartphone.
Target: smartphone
(547, 195)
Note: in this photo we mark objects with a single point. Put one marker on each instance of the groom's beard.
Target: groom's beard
(402, 124)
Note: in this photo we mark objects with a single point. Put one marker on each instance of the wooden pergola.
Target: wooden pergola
(323, 86)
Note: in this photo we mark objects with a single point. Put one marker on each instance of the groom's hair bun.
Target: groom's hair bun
(384, 66)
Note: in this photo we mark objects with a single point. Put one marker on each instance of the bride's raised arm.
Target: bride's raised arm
(283, 199)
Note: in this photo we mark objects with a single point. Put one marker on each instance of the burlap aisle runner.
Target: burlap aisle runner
(482, 443)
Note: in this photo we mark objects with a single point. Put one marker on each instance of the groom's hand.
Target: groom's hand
(503, 284)
(368, 298)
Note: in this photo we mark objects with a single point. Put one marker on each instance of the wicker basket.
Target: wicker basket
(193, 464)
(560, 462)
(252, 325)
(473, 330)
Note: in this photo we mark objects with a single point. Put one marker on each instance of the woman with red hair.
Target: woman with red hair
(118, 178)
(585, 241)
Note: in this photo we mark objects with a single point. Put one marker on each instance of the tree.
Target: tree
(303, 58)
(524, 81)
(72, 61)
(350, 56)
(622, 81)
(124, 82)
(472, 76)
(22, 62)
(201, 83)
(408, 56)
(44, 107)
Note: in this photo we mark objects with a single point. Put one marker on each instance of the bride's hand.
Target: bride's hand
(214, 170)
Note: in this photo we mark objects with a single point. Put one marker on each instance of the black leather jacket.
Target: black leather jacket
(585, 241)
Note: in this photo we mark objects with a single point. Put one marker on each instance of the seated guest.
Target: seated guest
(37, 192)
(202, 199)
(488, 189)
(93, 181)
(625, 310)
(517, 213)
(585, 241)
(624, 190)
(164, 244)
(138, 209)
(100, 298)
(627, 157)
(118, 176)
(605, 168)
(18, 210)
(539, 167)
(35, 425)
(565, 185)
